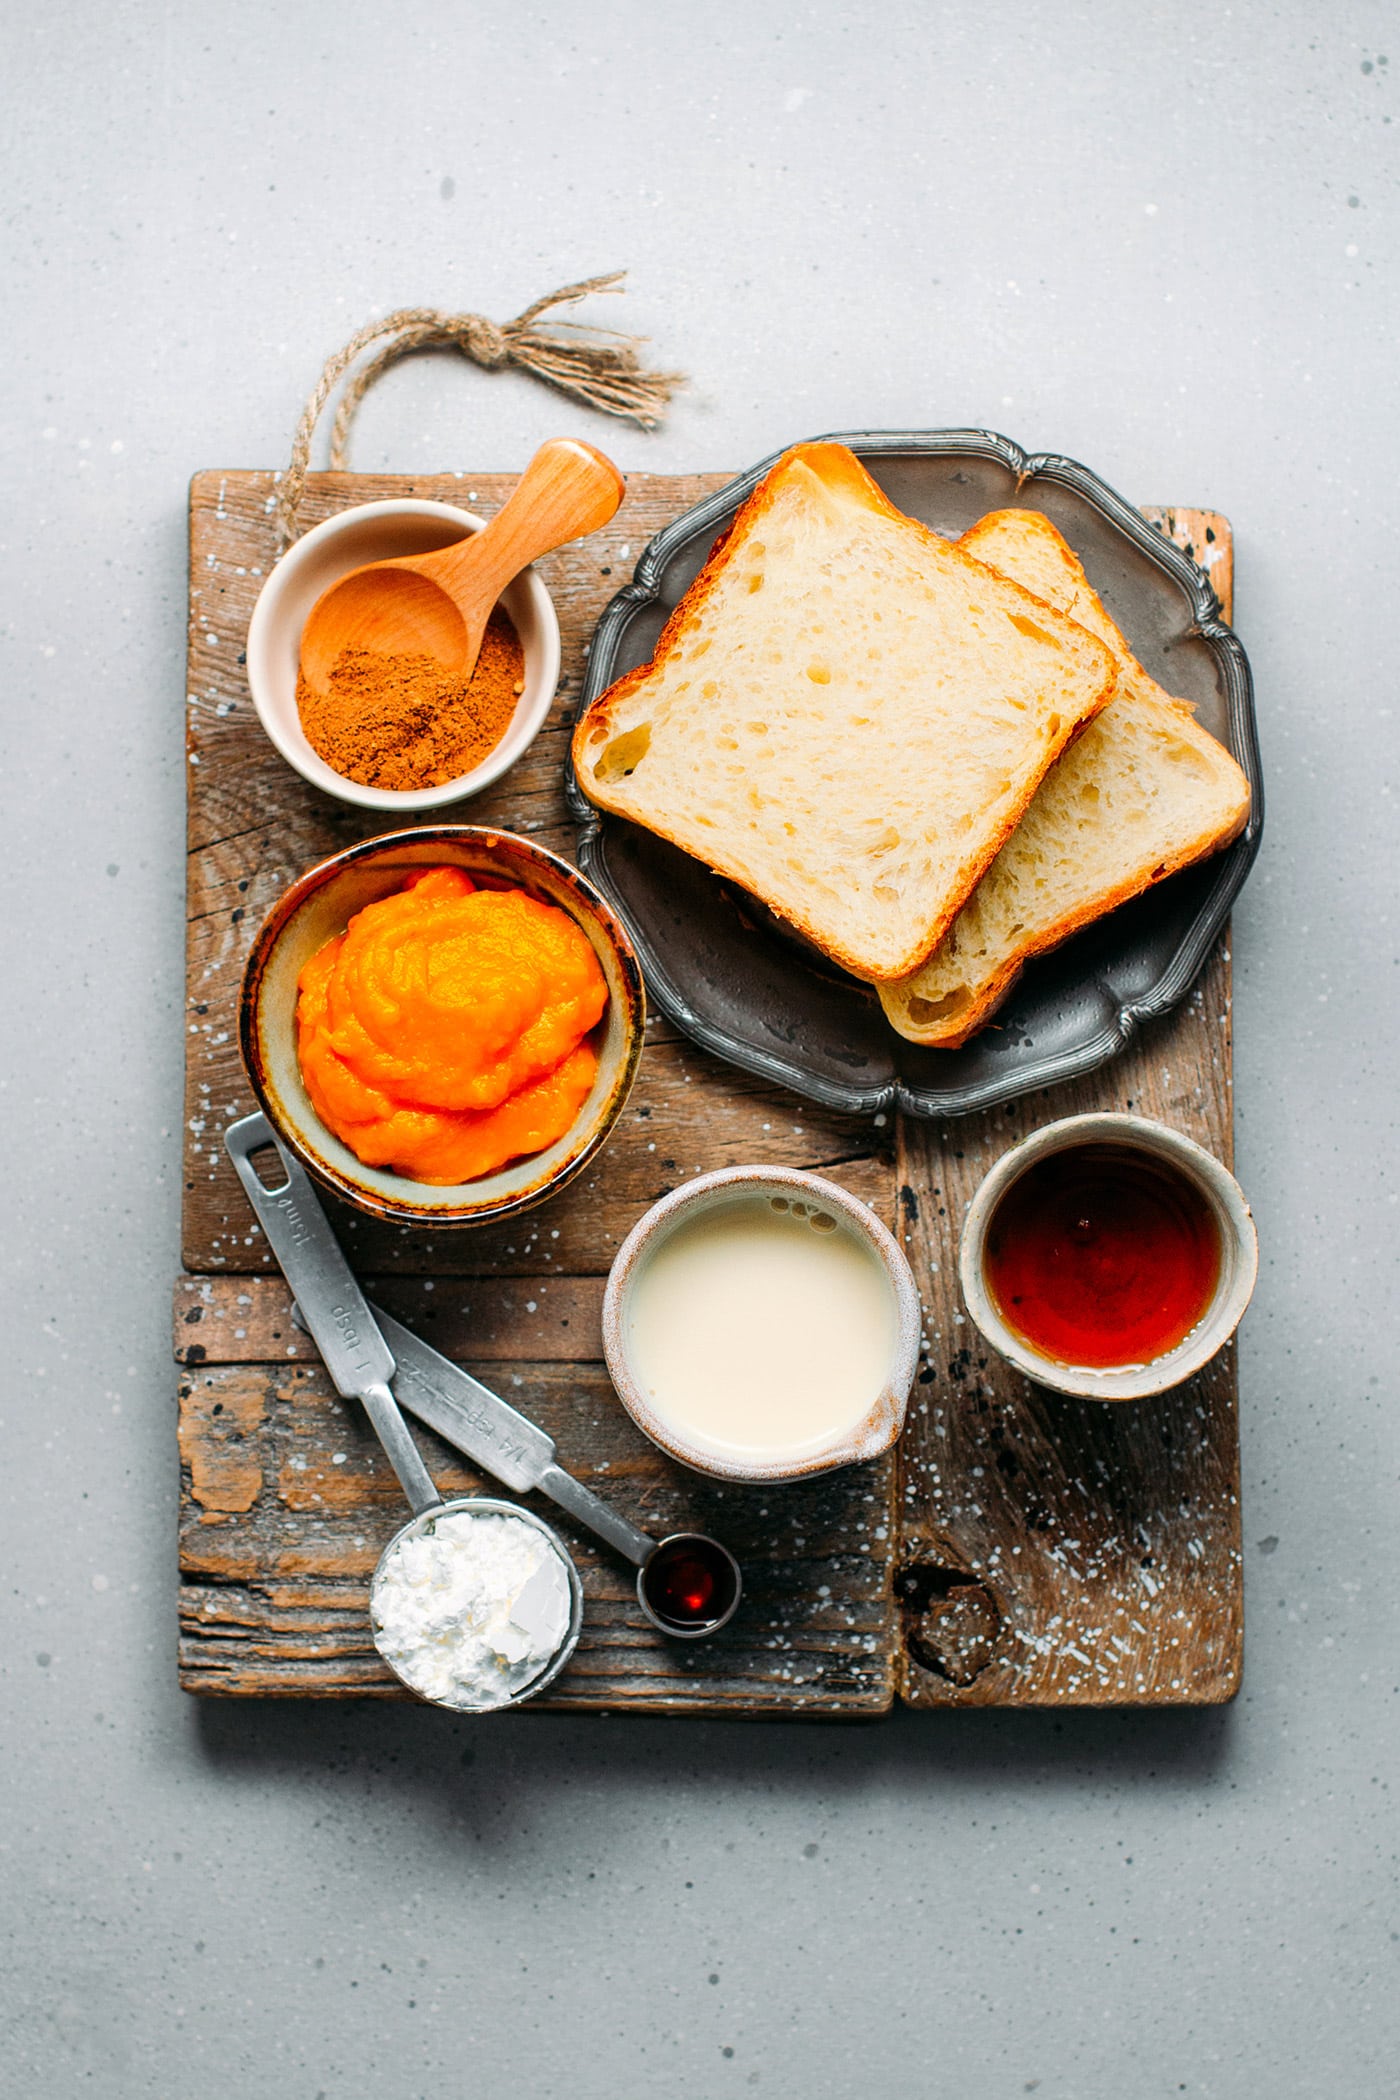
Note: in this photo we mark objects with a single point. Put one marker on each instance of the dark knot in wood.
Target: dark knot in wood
(953, 1625)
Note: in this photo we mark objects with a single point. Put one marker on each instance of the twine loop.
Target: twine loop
(598, 366)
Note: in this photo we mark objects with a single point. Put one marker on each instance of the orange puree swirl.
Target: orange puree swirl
(442, 1033)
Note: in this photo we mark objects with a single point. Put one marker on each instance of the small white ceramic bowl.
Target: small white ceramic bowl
(375, 532)
(319, 905)
(1239, 1257)
(883, 1420)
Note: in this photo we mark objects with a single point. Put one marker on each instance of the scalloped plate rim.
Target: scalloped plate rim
(1173, 981)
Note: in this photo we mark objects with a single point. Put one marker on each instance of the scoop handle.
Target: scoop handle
(334, 1307)
(568, 490)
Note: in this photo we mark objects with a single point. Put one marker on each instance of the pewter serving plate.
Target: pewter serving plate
(727, 973)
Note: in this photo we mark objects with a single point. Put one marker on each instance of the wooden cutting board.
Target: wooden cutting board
(1018, 1549)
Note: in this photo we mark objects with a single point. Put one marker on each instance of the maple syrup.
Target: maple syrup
(1103, 1256)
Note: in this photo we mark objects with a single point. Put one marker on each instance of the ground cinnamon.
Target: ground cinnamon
(400, 722)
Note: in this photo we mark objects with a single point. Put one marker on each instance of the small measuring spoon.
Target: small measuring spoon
(688, 1584)
(438, 604)
(338, 1318)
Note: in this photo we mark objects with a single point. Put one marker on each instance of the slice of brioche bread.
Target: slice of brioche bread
(845, 713)
(1144, 791)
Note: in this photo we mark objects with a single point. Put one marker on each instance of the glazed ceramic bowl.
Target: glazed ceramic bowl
(884, 1418)
(319, 906)
(375, 532)
(1239, 1257)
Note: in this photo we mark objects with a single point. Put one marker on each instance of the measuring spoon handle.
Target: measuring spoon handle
(600, 1517)
(334, 1307)
(467, 1414)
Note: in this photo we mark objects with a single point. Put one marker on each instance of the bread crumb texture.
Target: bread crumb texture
(1143, 792)
(845, 713)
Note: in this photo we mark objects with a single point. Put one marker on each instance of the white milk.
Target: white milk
(762, 1326)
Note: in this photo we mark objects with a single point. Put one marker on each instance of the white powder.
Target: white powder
(472, 1608)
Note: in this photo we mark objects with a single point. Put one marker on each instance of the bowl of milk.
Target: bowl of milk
(760, 1324)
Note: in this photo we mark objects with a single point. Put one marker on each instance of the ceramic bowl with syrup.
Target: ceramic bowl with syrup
(1108, 1256)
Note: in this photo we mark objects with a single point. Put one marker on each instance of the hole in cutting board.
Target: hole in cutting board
(952, 1623)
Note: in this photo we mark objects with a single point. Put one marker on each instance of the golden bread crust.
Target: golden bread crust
(836, 471)
(952, 1030)
(998, 988)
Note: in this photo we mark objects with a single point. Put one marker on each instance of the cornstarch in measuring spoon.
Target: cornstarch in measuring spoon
(470, 1610)
(762, 1326)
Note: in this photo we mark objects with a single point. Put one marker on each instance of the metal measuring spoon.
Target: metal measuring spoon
(338, 1318)
(688, 1584)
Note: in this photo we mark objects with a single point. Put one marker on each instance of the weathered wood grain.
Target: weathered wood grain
(1058, 1550)
(287, 1502)
(1043, 1550)
(254, 825)
(477, 1320)
(280, 1530)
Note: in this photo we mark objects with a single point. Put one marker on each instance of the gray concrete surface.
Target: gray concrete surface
(1161, 240)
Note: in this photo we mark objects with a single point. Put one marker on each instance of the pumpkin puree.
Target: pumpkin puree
(442, 1033)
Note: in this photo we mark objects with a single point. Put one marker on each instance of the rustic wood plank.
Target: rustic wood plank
(287, 1502)
(285, 1499)
(1060, 1551)
(686, 1113)
(254, 825)
(477, 1320)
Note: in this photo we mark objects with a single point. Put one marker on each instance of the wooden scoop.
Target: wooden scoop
(438, 604)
